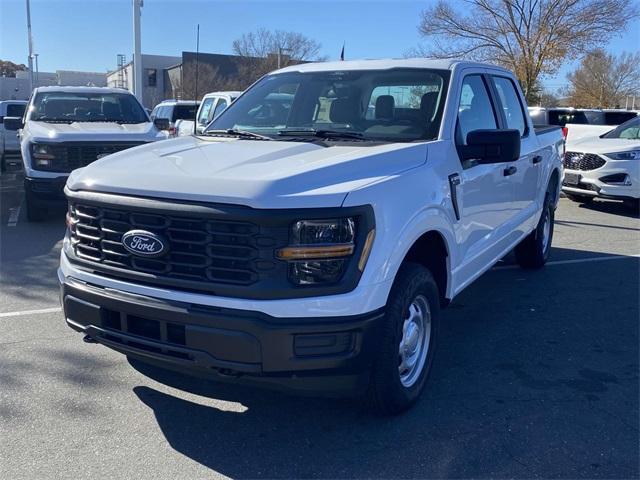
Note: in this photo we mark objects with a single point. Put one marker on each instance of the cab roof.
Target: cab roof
(385, 64)
(56, 88)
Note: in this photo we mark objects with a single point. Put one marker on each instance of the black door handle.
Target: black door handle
(537, 159)
(510, 170)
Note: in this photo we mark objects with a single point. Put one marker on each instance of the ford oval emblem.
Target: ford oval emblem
(144, 244)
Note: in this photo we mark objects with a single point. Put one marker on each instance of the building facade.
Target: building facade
(17, 88)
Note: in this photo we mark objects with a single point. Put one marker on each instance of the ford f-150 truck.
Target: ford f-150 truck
(311, 244)
(69, 127)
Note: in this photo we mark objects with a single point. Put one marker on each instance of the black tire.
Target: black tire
(35, 213)
(533, 251)
(579, 198)
(387, 395)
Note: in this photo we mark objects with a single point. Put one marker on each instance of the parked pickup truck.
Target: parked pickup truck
(312, 246)
(212, 105)
(69, 127)
(9, 144)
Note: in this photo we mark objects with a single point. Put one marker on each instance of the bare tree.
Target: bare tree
(604, 80)
(266, 50)
(530, 37)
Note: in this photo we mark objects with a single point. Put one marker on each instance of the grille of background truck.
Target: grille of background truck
(200, 249)
(582, 161)
(69, 157)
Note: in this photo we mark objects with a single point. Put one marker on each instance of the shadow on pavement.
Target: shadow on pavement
(612, 207)
(532, 378)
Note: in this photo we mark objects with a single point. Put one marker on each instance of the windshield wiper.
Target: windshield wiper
(321, 133)
(238, 133)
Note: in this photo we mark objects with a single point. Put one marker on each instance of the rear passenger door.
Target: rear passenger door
(527, 178)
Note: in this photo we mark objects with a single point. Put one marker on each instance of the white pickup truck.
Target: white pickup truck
(69, 127)
(311, 243)
(212, 105)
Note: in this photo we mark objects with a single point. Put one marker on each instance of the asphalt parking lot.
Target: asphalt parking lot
(536, 376)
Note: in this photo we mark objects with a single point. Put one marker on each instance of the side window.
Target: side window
(203, 117)
(154, 113)
(511, 106)
(475, 111)
(222, 104)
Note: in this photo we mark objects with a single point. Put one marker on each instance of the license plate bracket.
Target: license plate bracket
(572, 178)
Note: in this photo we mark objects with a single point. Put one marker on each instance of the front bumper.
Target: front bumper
(45, 192)
(329, 355)
(597, 182)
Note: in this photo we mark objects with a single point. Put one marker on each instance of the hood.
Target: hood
(259, 174)
(603, 145)
(93, 131)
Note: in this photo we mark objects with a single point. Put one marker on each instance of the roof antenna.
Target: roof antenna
(342, 53)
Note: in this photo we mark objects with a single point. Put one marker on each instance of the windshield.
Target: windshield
(87, 107)
(382, 105)
(629, 130)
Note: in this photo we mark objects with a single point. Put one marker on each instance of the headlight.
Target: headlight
(319, 250)
(630, 155)
(42, 155)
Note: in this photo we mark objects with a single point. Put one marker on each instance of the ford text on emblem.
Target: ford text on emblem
(144, 244)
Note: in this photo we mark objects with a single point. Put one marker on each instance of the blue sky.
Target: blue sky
(88, 34)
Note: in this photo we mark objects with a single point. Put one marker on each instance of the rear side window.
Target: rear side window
(511, 106)
(184, 112)
(475, 111)
(538, 117)
(15, 110)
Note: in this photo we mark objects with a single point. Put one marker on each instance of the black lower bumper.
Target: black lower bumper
(324, 355)
(45, 192)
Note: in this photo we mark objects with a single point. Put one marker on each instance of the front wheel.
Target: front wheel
(533, 251)
(407, 342)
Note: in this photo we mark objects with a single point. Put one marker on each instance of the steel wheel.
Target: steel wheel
(414, 344)
(546, 231)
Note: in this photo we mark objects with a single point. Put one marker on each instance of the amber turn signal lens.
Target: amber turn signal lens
(315, 252)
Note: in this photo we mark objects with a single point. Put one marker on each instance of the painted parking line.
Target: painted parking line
(575, 260)
(14, 214)
(30, 312)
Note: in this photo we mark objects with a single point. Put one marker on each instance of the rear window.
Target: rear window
(617, 118)
(562, 117)
(184, 112)
(15, 110)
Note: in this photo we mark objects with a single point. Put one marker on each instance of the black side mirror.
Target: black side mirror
(13, 123)
(161, 123)
(492, 146)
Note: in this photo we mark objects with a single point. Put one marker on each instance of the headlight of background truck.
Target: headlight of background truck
(42, 156)
(319, 250)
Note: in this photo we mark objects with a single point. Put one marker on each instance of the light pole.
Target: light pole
(137, 55)
(37, 83)
(30, 47)
(280, 50)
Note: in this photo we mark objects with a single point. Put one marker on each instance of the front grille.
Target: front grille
(68, 157)
(199, 249)
(582, 161)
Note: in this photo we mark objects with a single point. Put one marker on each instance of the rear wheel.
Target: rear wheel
(579, 198)
(408, 340)
(533, 251)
